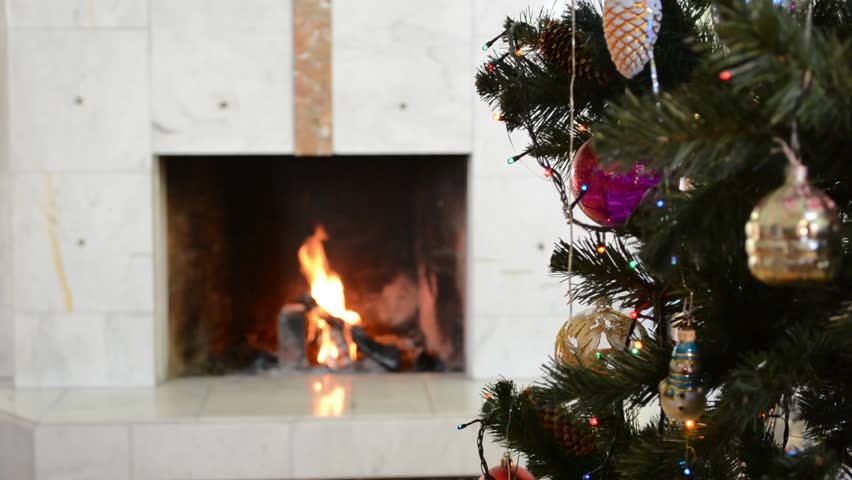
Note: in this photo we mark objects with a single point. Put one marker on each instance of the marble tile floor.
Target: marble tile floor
(246, 427)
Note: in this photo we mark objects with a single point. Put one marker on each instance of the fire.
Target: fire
(327, 291)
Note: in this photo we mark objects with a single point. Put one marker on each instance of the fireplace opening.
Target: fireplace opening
(289, 264)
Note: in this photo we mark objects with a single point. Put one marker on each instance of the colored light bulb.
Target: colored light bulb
(601, 249)
(548, 172)
(497, 117)
(584, 187)
(634, 314)
(490, 68)
(690, 424)
(725, 75)
(661, 203)
(633, 264)
(594, 421)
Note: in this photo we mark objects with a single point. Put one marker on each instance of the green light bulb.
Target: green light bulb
(634, 264)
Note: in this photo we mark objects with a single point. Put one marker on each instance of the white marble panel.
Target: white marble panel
(393, 448)
(82, 453)
(169, 402)
(83, 242)
(391, 398)
(455, 396)
(78, 13)
(514, 224)
(29, 404)
(4, 88)
(79, 100)
(7, 335)
(211, 452)
(222, 76)
(6, 255)
(16, 449)
(492, 352)
(7, 343)
(129, 343)
(60, 350)
(281, 397)
(401, 76)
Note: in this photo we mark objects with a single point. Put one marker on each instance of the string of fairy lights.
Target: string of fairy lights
(635, 346)
(683, 378)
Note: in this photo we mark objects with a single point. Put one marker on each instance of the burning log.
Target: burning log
(388, 356)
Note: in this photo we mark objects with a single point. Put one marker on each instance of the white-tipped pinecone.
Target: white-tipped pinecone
(626, 31)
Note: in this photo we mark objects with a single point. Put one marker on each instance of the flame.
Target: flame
(327, 291)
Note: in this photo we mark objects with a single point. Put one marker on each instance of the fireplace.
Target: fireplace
(392, 228)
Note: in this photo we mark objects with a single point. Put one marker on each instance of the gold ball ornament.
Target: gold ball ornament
(792, 235)
(579, 340)
(625, 25)
(682, 393)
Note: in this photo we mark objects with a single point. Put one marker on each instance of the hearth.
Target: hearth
(290, 264)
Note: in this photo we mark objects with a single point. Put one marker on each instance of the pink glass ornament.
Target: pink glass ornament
(609, 195)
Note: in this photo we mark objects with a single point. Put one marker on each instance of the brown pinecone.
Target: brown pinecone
(555, 47)
(577, 437)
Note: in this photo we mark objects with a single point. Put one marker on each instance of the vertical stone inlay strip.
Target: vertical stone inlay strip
(312, 77)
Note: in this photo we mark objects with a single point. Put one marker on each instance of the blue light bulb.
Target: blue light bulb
(687, 471)
(660, 203)
(584, 187)
(587, 477)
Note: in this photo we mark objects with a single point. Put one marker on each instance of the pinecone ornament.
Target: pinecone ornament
(577, 438)
(555, 47)
(626, 32)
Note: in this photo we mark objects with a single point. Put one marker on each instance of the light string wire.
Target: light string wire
(556, 178)
(569, 213)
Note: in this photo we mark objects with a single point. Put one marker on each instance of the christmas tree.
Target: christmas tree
(705, 149)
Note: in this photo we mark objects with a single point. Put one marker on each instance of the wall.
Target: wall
(7, 327)
(116, 82)
(80, 166)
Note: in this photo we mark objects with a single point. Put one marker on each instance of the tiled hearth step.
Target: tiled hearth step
(245, 428)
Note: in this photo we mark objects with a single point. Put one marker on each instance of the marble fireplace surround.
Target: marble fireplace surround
(115, 84)
(94, 92)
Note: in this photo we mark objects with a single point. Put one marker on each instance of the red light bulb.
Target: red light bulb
(725, 75)
(594, 421)
(548, 172)
(634, 314)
